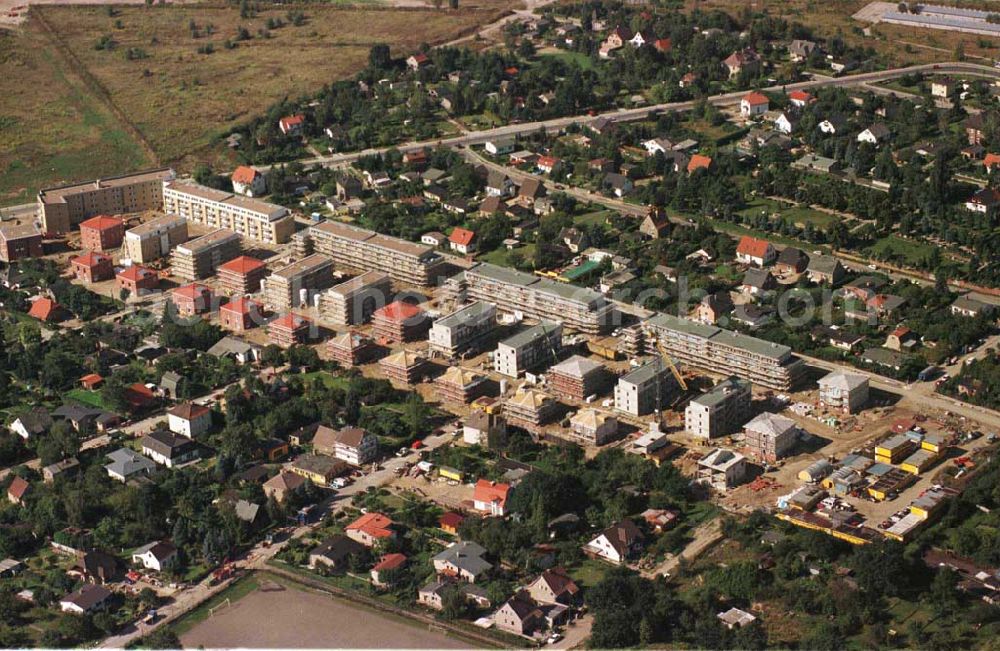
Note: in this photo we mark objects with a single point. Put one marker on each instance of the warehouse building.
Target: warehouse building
(353, 302)
(528, 349)
(200, 257)
(722, 351)
(154, 239)
(358, 250)
(720, 411)
(251, 218)
(296, 284)
(61, 208)
(463, 330)
(517, 292)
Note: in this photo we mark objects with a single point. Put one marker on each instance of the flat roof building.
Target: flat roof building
(514, 291)
(358, 250)
(646, 389)
(154, 239)
(63, 207)
(528, 349)
(723, 351)
(355, 301)
(20, 241)
(722, 469)
(200, 257)
(296, 284)
(463, 330)
(720, 411)
(251, 218)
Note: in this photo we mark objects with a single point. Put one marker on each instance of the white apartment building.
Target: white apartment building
(720, 411)
(251, 218)
(463, 329)
(646, 389)
(528, 349)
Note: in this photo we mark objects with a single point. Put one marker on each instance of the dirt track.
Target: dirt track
(290, 618)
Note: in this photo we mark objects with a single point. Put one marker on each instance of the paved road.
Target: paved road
(258, 556)
(621, 115)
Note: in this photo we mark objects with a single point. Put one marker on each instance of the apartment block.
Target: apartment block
(459, 385)
(63, 207)
(241, 276)
(722, 351)
(352, 349)
(577, 378)
(770, 437)
(399, 322)
(20, 241)
(289, 330)
(137, 280)
(92, 267)
(463, 330)
(192, 299)
(404, 367)
(355, 301)
(200, 257)
(528, 349)
(720, 411)
(646, 389)
(358, 250)
(296, 284)
(517, 292)
(530, 409)
(594, 427)
(101, 233)
(154, 239)
(240, 314)
(252, 218)
(843, 392)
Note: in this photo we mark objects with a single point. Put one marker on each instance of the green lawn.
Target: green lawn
(896, 249)
(593, 218)
(90, 398)
(329, 380)
(572, 58)
(589, 572)
(501, 256)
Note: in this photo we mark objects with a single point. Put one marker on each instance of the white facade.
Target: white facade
(192, 428)
(718, 412)
(844, 392)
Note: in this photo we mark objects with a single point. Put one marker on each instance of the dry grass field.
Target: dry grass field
(73, 111)
(898, 45)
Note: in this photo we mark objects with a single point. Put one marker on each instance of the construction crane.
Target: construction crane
(670, 364)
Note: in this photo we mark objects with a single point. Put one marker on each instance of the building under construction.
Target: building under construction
(528, 349)
(577, 378)
(463, 330)
(516, 292)
(727, 353)
(649, 388)
(241, 276)
(200, 257)
(404, 367)
(399, 322)
(358, 250)
(460, 386)
(353, 302)
(295, 285)
(352, 349)
(530, 409)
(289, 330)
(152, 240)
(61, 208)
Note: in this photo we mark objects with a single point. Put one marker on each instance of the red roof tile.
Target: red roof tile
(90, 259)
(43, 309)
(699, 162)
(291, 321)
(241, 305)
(390, 562)
(192, 291)
(244, 174)
(753, 247)
(491, 491)
(18, 488)
(135, 273)
(102, 222)
(375, 525)
(755, 99)
(398, 311)
(461, 236)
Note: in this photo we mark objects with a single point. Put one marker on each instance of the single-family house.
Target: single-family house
(617, 543)
(755, 251)
(158, 556)
(490, 497)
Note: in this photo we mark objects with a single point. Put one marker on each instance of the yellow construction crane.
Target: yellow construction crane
(673, 368)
